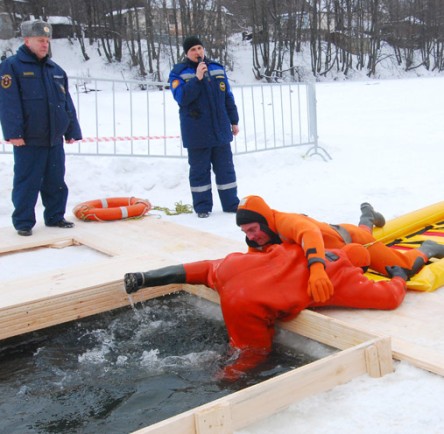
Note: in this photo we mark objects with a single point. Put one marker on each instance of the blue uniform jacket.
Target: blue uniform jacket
(34, 101)
(206, 107)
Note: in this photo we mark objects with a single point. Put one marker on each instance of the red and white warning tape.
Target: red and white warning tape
(126, 138)
(116, 139)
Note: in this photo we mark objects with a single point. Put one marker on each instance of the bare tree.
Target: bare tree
(77, 15)
(342, 35)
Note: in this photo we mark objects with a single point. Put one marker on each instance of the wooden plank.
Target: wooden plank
(124, 237)
(151, 234)
(371, 358)
(214, 420)
(203, 292)
(385, 354)
(335, 333)
(274, 395)
(379, 358)
(11, 242)
(63, 281)
(415, 328)
(419, 356)
(69, 307)
(63, 243)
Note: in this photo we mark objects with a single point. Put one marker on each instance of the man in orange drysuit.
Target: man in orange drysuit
(258, 289)
(263, 225)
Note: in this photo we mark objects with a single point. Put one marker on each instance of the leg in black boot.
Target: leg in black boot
(432, 249)
(162, 276)
(370, 217)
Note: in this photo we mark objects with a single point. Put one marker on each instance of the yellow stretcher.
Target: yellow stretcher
(408, 232)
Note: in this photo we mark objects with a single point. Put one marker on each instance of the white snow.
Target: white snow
(386, 139)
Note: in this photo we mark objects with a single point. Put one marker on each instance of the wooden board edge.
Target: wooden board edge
(73, 306)
(417, 355)
(242, 408)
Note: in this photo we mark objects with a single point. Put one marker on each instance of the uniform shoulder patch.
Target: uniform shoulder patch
(222, 86)
(6, 81)
(175, 83)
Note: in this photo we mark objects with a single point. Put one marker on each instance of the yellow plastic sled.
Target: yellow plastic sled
(408, 232)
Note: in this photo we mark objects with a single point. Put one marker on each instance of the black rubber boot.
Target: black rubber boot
(162, 276)
(432, 249)
(370, 217)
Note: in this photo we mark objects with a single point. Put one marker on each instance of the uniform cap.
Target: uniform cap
(36, 28)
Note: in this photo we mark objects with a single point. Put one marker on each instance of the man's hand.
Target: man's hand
(320, 287)
(396, 271)
(17, 142)
(201, 69)
(235, 129)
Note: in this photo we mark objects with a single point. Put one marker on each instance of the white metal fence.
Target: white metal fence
(133, 118)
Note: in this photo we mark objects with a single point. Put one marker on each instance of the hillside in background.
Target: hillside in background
(240, 66)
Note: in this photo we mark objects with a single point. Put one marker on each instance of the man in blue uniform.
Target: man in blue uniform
(208, 121)
(36, 113)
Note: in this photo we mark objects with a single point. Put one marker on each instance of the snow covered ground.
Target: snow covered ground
(386, 139)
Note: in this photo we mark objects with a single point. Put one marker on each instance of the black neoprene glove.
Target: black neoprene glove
(396, 271)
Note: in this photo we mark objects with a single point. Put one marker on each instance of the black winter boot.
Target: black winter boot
(370, 217)
(432, 249)
(162, 276)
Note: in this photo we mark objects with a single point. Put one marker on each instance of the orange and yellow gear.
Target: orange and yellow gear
(315, 236)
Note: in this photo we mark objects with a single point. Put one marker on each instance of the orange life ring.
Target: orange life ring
(113, 208)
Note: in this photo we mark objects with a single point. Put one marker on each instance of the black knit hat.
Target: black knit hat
(245, 216)
(190, 42)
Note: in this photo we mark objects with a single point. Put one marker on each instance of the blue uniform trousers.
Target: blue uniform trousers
(201, 160)
(38, 169)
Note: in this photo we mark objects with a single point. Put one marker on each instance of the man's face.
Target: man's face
(195, 52)
(254, 233)
(39, 45)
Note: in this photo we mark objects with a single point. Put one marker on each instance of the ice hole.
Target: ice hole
(123, 370)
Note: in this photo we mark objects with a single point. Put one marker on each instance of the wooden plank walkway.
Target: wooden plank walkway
(72, 292)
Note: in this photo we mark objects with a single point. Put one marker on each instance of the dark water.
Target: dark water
(123, 370)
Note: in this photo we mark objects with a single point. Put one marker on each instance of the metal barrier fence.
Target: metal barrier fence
(134, 118)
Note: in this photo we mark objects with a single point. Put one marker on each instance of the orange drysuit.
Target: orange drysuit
(315, 236)
(257, 289)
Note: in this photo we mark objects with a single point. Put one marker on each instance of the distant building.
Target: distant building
(62, 27)
(166, 19)
(11, 13)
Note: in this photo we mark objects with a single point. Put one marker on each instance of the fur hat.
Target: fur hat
(37, 28)
(191, 41)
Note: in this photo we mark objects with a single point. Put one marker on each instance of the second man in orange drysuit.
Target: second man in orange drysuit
(264, 225)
